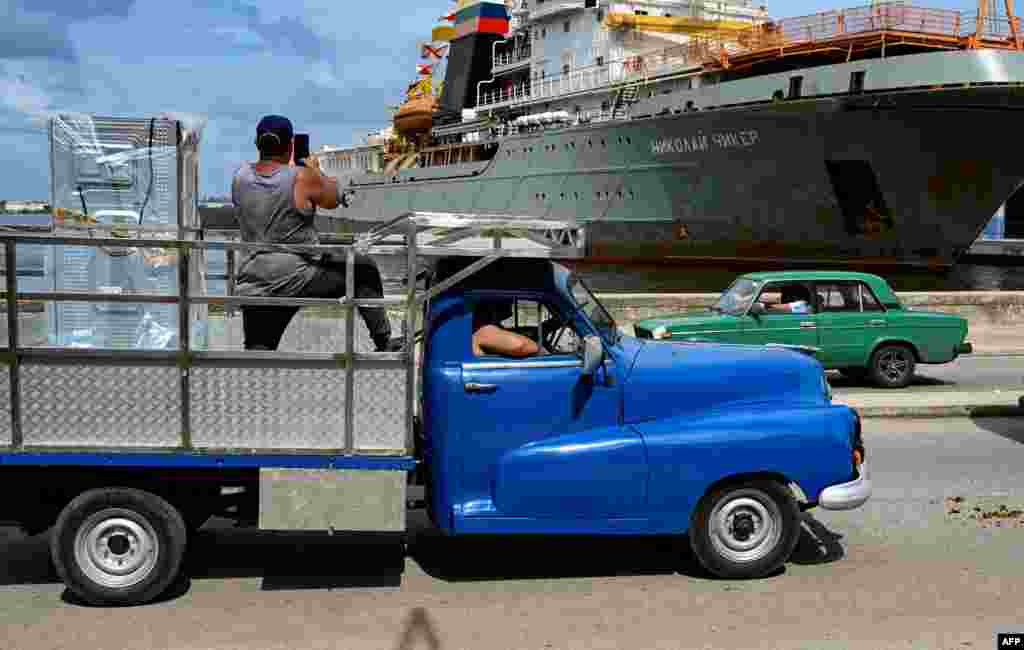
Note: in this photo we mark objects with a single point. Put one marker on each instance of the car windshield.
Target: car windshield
(737, 298)
(593, 309)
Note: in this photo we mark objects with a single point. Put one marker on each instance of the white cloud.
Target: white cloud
(21, 95)
(322, 74)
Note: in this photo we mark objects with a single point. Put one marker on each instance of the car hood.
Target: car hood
(669, 379)
(693, 322)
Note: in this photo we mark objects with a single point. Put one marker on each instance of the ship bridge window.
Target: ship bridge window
(860, 198)
(589, 4)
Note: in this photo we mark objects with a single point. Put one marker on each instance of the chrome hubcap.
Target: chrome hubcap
(894, 364)
(746, 527)
(116, 548)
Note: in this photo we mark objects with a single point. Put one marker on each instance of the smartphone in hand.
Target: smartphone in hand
(301, 148)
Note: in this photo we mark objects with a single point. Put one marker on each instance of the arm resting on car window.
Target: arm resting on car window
(491, 339)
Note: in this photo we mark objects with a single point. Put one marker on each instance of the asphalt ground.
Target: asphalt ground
(928, 562)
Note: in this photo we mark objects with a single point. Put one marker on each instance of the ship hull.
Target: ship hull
(895, 178)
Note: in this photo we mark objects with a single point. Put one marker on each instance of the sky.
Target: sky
(332, 66)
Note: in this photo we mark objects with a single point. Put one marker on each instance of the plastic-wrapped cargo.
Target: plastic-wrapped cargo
(140, 172)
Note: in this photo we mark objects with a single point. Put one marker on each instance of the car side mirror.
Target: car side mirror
(757, 309)
(593, 354)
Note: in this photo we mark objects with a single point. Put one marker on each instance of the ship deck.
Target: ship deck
(856, 33)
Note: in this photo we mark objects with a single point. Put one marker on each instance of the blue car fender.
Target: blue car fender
(811, 447)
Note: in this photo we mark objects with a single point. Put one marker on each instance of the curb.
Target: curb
(963, 411)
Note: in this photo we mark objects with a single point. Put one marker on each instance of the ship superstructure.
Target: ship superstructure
(690, 131)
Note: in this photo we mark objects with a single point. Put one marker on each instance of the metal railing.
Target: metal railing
(510, 58)
(411, 226)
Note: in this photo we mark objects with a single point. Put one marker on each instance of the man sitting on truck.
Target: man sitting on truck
(489, 337)
(275, 202)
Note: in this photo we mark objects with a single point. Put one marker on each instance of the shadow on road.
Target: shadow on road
(837, 380)
(818, 544)
(361, 560)
(1011, 428)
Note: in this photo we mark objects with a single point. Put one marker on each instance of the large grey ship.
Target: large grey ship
(879, 135)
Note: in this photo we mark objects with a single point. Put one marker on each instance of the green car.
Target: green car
(852, 321)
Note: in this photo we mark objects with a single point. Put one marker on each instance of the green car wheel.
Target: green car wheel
(892, 366)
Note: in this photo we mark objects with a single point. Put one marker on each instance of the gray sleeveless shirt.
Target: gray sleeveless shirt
(266, 212)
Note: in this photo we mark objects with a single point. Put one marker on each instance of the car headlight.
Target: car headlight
(660, 332)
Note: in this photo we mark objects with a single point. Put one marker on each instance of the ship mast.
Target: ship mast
(987, 13)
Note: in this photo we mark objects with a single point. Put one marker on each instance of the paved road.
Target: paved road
(965, 372)
(899, 573)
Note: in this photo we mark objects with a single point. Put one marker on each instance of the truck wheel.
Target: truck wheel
(892, 366)
(118, 546)
(745, 531)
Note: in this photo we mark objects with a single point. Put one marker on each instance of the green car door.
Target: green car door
(850, 320)
(767, 322)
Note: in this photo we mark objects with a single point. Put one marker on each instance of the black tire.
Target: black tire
(892, 365)
(723, 551)
(103, 532)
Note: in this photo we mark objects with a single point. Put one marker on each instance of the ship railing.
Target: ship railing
(509, 58)
(881, 17)
(515, 93)
(718, 47)
(994, 28)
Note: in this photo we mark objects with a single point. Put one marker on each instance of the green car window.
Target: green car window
(737, 297)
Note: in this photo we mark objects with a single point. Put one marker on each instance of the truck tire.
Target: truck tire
(118, 546)
(745, 530)
(892, 365)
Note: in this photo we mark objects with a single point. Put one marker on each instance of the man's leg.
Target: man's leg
(263, 326)
(329, 282)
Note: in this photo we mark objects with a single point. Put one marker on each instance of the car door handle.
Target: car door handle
(876, 322)
(473, 387)
(807, 325)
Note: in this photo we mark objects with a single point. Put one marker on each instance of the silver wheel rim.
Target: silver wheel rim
(894, 364)
(745, 527)
(116, 548)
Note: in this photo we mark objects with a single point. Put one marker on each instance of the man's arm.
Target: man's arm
(322, 190)
(492, 339)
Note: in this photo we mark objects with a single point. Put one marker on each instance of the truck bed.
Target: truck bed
(243, 410)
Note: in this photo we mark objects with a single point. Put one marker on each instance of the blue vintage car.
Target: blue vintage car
(604, 433)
